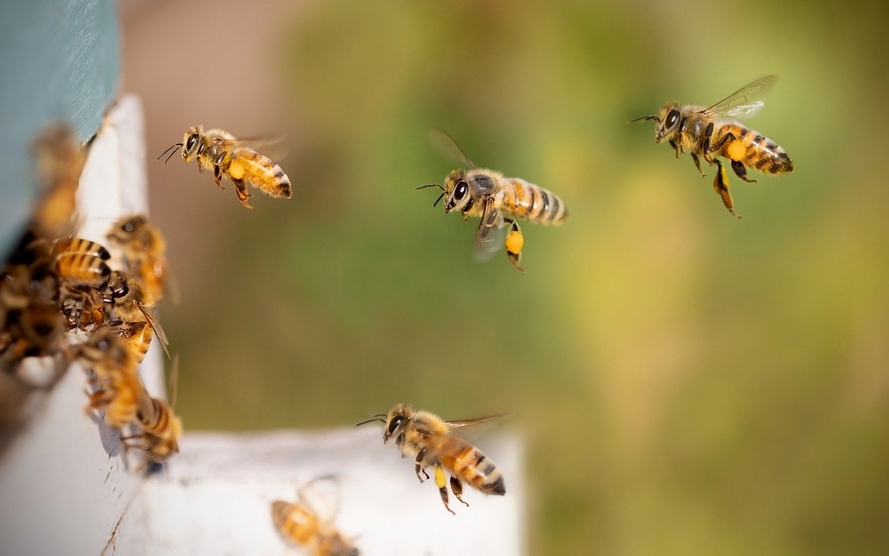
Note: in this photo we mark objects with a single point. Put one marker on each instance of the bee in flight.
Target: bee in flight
(221, 152)
(303, 525)
(428, 439)
(715, 131)
(497, 200)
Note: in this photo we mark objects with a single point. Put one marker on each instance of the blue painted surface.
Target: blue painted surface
(59, 60)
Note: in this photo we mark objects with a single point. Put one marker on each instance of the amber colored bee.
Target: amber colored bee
(715, 131)
(160, 428)
(127, 303)
(117, 388)
(301, 524)
(225, 155)
(59, 163)
(81, 262)
(144, 251)
(488, 195)
(30, 320)
(428, 439)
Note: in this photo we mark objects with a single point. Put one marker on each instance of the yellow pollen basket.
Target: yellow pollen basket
(514, 242)
(440, 478)
(736, 150)
(236, 169)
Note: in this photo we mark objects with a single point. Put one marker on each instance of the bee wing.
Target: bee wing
(256, 143)
(746, 102)
(447, 146)
(322, 496)
(462, 423)
(491, 232)
(155, 327)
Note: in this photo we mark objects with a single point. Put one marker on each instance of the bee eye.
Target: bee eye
(192, 139)
(393, 424)
(671, 118)
(460, 191)
(103, 345)
(129, 226)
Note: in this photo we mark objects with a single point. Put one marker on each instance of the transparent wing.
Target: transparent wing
(322, 496)
(746, 102)
(271, 146)
(491, 233)
(156, 328)
(445, 144)
(463, 423)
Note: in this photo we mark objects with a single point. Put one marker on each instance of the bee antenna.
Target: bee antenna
(428, 185)
(639, 119)
(439, 199)
(376, 418)
(176, 146)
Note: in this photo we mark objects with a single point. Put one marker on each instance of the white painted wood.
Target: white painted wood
(216, 496)
(64, 481)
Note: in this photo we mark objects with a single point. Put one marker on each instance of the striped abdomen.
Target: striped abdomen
(295, 522)
(260, 171)
(526, 200)
(754, 150)
(470, 465)
(82, 246)
(81, 268)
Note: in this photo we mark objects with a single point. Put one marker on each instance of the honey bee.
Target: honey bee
(144, 251)
(59, 163)
(221, 152)
(715, 131)
(301, 524)
(428, 439)
(127, 303)
(497, 200)
(160, 427)
(81, 262)
(31, 322)
(117, 388)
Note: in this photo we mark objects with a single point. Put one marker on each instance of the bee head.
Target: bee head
(668, 122)
(191, 142)
(395, 421)
(456, 191)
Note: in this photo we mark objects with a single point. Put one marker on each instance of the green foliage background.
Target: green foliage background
(688, 383)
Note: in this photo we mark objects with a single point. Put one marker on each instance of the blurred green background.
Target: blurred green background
(687, 383)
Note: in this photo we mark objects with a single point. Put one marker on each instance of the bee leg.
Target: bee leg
(741, 171)
(514, 242)
(217, 177)
(720, 184)
(441, 483)
(675, 147)
(698, 164)
(418, 465)
(241, 190)
(457, 489)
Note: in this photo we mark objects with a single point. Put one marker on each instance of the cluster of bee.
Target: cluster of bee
(57, 289)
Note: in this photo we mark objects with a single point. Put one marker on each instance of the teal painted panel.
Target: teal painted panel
(59, 60)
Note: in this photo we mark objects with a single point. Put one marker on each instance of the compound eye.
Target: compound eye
(190, 143)
(461, 190)
(672, 117)
(393, 424)
(103, 345)
(129, 226)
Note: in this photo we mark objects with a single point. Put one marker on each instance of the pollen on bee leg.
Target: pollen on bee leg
(236, 169)
(515, 241)
(440, 479)
(735, 150)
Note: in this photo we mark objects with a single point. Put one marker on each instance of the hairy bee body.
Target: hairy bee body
(160, 429)
(429, 440)
(498, 201)
(223, 154)
(117, 388)
(714, 131)
(144, 251)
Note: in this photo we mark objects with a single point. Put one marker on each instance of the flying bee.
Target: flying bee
(428, 439)
(144, 251)
(221, 152)
(715, 131)
(128, 302)
(301, 524)
(499, 201)
(115, 381)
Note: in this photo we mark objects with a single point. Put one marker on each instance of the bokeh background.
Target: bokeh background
(687, 383)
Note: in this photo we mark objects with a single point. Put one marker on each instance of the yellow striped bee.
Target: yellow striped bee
(497, 200)
(225, 155)
(144, 251)
(302, 524)
(160, 426)
(428, 439)
(715, 131)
